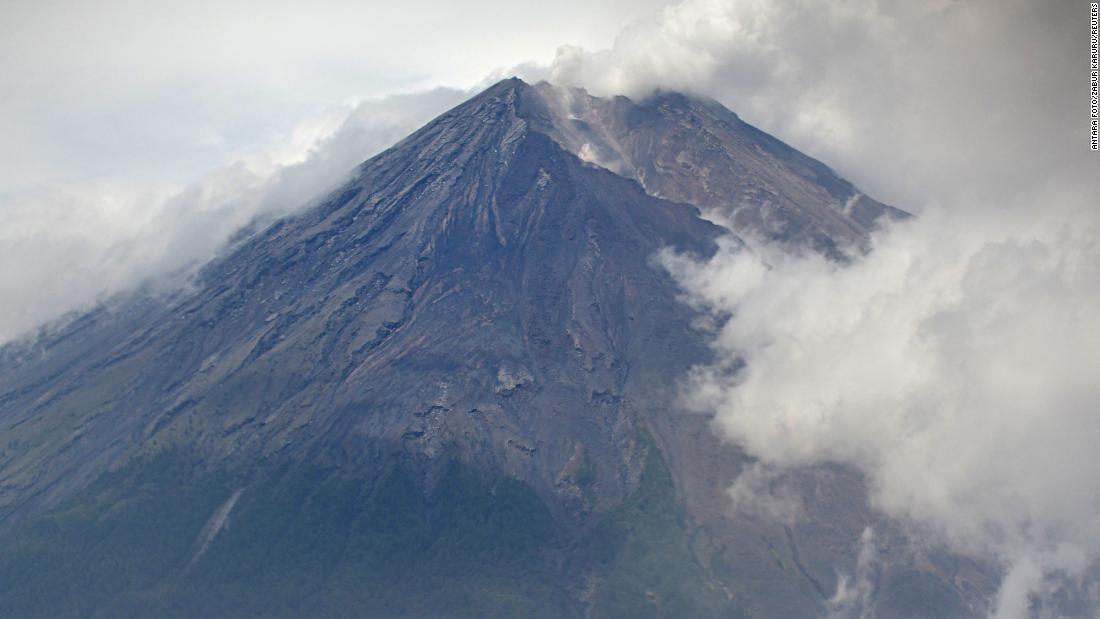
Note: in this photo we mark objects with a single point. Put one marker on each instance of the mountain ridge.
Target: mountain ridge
(694, 150)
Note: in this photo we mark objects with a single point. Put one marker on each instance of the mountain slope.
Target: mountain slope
(696, 151)
(448, 389)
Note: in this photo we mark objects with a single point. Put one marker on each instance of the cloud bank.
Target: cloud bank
(956, 366)
(912, 101)
(166, 91)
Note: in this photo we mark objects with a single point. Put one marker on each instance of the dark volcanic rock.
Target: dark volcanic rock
(473, 320)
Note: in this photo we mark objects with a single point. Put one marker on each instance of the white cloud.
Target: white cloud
(71, 245)
(911, 100)
(956, 366)
(763, 490)
(166, 91)
(854, 596)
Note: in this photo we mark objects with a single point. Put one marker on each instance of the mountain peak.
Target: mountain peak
(685, 149)
(509, 93)
(507, 83)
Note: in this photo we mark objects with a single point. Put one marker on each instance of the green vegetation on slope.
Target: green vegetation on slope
(644, 551)
(301, 542)
(306, 542)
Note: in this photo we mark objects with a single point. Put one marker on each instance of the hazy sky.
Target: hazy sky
(139, 135)
(165, 91)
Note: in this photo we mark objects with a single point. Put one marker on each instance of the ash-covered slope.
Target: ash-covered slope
(697, 151)
(449, 389)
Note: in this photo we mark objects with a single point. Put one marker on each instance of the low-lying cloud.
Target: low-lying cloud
(73, 245)
(956, 366)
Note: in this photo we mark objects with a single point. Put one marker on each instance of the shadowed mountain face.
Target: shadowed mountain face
(448, 389)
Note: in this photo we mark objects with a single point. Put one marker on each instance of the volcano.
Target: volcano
(449, 388)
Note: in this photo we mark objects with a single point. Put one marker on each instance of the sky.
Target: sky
(140, 136)
(166, 91)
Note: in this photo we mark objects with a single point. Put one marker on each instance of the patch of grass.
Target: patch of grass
(308, 542)
(127, 532)
(301, 542)
(642, 550)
